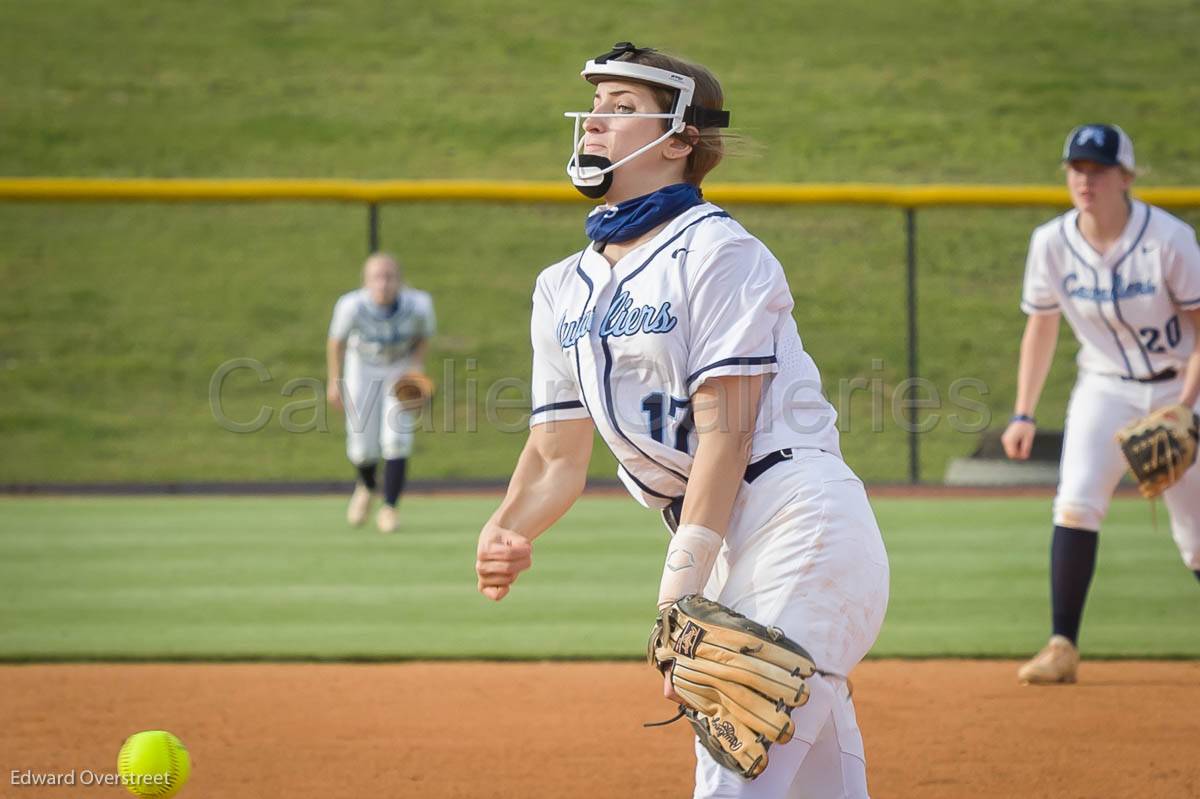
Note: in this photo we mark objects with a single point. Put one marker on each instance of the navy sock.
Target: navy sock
(1072, 564)
(1197, 573)
(366, 475)
(393, 480)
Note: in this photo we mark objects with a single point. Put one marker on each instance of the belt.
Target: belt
(756, 469)
(674, 512)
(1158, 377)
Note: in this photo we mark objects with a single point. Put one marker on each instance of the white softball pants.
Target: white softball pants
(804, 553)
(1092, 463)
(375, 425)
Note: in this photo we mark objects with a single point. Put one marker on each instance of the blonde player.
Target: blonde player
(671, 334)
(1127, 277)
(378, 333)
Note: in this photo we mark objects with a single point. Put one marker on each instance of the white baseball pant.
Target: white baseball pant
(1092, 463)
(804, 553)
(375, 425)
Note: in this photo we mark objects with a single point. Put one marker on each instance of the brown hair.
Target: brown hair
(709, 146)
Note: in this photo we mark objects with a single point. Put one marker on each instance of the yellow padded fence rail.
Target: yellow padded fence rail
(401, 191)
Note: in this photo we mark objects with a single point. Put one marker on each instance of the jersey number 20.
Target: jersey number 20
(1151, 335)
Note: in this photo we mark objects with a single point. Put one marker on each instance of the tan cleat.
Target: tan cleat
(360, 505)
(387, 520)
(1057, 662)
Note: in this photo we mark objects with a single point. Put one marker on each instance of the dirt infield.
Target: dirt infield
(933, 729)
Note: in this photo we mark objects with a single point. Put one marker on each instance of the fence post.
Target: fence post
(372, 228)
(914, 452)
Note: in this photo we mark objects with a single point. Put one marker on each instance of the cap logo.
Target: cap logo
(1090, 133)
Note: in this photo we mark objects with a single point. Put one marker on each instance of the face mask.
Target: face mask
(592, 174)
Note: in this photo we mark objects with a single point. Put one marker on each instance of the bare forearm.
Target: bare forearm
(549, 477)
(420, 350)
(1191, 380)
(712, 488)
(1037, 354)
(715, 480)
(540, 492)
(725, 413)
(335, 353)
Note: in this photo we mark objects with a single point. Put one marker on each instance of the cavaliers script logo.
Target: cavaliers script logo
(723, 729)
(689, 639)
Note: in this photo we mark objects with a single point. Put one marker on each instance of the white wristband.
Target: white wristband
(690, 559)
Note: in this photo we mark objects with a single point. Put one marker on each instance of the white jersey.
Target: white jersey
(1124, 306)
(628, 345)
(382, 336)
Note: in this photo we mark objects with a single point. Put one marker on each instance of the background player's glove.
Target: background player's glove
(413, 390)
(739, 680)
(1160, 448)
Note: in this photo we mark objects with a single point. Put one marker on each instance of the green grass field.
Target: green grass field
(114, 319)
(285, 579)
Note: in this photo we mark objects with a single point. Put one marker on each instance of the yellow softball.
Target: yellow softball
(153, 764)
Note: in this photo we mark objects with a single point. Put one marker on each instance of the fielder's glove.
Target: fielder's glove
(413, 390)
(739, 680)
(1160, 448)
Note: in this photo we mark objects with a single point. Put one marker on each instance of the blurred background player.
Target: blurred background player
(1127, 277)
(379, 333)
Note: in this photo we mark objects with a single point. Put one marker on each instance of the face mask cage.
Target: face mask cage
(594, 172)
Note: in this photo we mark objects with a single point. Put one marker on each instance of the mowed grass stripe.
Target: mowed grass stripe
(250, 578)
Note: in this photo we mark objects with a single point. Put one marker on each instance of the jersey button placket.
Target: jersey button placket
(589, 345)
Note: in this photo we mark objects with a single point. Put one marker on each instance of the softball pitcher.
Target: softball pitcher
(1127, 277)
(379, 333)
(672, 335)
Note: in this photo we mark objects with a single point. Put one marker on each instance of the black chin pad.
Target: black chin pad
(600, 162)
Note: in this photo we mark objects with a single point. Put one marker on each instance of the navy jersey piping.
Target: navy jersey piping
(760, 359)
(608, 361)
(1054, 307)
(556, 406)
(1062, 230)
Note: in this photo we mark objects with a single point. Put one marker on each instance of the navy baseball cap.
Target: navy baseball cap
(1104, 144)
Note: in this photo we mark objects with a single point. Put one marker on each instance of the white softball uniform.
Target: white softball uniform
(1125, 309)
(628, 344)
(379, 347)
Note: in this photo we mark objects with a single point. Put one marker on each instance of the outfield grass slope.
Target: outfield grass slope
(114, 319)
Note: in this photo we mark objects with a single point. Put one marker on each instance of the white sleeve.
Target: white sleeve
(343, 318)
(1037, 294)
(1183, 270)
(428, 318)
(735, 301)
(555, 391)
